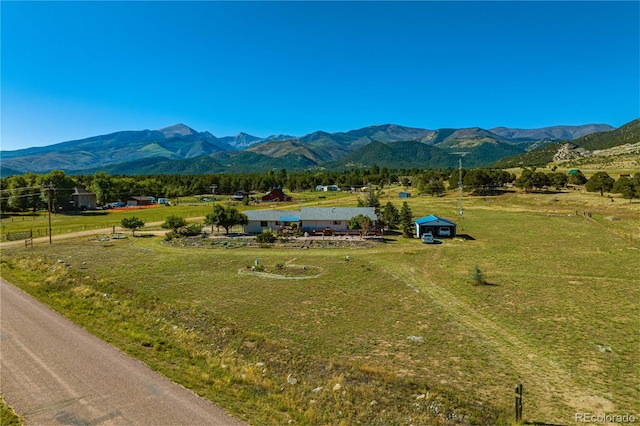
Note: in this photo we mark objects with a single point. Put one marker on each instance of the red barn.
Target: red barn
(276, 195)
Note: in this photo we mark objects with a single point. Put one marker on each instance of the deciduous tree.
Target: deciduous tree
(174, 223)
(361, 222)
(132, 223)
(227, 217)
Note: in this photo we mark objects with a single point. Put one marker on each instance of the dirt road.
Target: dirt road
(55, 373)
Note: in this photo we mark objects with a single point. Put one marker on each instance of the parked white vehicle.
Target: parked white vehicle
(427, 238)
(444, 232)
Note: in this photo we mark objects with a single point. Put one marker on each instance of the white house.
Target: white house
(81, 199)
(308, 219)
(327, 188)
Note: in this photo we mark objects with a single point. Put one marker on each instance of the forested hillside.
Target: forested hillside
(180, 149)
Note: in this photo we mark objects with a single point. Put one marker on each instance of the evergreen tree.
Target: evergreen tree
(627, 188)
(559, 180)
(577, 178)
(371, 199)
(435, 188)
(525, 179)
(477, 276)
(600, 182)
(390, 216)
(406, 220)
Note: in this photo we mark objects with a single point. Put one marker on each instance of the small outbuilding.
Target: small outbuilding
(437, 226)
(404, 194)
(140, 201)
(240, 195)
(276, 195)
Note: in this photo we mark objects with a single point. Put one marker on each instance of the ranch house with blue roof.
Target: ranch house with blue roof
(309, 219)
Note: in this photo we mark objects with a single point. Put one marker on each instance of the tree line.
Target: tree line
(31, 192)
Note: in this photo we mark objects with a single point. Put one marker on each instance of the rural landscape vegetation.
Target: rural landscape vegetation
(539, 287)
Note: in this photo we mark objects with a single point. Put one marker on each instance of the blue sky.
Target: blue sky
(71, 70)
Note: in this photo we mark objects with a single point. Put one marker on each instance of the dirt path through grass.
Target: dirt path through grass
(551, 393)
(87, 233)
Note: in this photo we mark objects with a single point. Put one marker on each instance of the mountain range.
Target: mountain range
(180, 149)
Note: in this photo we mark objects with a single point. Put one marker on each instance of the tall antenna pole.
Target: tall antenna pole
(460, 184)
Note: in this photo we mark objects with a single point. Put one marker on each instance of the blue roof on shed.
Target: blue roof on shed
(435, 219)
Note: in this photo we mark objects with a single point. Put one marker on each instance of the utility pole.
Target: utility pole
(49, 186)
(213, 187)
(460, 184)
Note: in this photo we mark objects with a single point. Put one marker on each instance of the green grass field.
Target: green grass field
(394, 334)
(187, 207)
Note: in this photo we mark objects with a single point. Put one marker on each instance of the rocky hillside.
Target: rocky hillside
(622, 144)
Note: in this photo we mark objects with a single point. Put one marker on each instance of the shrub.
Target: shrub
(266, 236)
(190, 230)
(174, 223)
(185, 231)
(171, 235)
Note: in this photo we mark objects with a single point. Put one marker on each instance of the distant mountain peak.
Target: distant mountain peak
(398, 146)
(568, 133)
(177, 130)
(280, 137)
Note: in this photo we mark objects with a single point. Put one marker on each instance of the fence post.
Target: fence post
(518, 404)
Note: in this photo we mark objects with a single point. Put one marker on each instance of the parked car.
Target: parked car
(427, 238)
(115, 205)
(444, 232)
